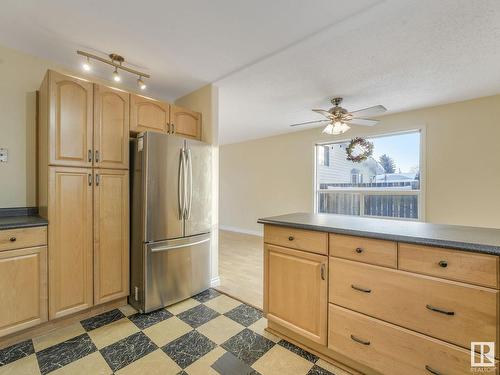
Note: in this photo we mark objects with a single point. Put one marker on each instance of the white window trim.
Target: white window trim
(423, 175)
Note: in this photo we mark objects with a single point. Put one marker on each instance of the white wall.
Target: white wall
(274, 175)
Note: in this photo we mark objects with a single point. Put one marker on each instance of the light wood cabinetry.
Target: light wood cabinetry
(296, 291)
(23, 276)
(367, 250)
(390, 349)
(185, 122)
(147, 114)
(479, 269)
(393, 308)
(70, 240)
(22, 237)
(66, 120)
(111, 235)
(111, 127)
(299, 239)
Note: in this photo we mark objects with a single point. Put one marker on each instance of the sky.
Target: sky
(403, 148)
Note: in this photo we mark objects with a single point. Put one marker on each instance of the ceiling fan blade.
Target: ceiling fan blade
(370, 111)
(310, 122)
(323, 112)
(362, 121)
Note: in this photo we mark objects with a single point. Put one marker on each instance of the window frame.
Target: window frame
(423, 178)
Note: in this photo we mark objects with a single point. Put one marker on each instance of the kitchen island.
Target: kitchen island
(382, 296)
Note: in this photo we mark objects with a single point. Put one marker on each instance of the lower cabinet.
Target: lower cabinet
(295, 290)
(24, 301)
(88, 238)
(111, 235)
(70, 240)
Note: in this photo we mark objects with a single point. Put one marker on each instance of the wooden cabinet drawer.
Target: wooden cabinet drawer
(307, 240)
(448, 310)
(480, 269)
(22, 237)
(367, 250)
(389, 349)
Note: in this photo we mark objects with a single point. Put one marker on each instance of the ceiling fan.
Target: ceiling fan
(339, 118)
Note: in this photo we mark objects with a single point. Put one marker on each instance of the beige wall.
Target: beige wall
(20, 77)
(206, 101)
(274, 175)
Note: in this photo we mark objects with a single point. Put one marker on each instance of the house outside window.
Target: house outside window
(388, 184)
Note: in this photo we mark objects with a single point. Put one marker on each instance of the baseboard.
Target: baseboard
(241, 230)
(215, 281)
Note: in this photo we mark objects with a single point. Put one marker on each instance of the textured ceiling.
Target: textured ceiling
(274, 60)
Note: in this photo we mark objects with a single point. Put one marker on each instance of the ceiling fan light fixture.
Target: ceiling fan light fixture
(336, 128)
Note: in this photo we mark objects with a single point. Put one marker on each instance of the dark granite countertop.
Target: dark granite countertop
(20, 217)
(482, 240)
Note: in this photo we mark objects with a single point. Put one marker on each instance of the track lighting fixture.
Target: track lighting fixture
(116, 61)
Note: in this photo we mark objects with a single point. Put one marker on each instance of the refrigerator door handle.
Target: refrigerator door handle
(171, 247)
(189, 189)
(181, 185)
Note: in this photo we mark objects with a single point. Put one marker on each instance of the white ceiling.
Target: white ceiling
(274, 60)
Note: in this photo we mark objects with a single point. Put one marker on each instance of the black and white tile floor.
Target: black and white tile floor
(210, 333)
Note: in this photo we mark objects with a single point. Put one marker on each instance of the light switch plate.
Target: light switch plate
(4, 155)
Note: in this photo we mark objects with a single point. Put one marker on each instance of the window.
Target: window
(385, 185)
(323, 153)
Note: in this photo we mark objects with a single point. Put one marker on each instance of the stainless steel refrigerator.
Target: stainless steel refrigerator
(170, 219)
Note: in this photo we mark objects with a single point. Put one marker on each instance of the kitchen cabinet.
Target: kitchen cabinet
(295, 291)
(23, 296)
(185, 122)
(111, 235)
(111, 127)
(67, 120)
(147, 114)
(70, 240)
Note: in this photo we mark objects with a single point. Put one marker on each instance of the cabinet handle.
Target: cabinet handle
(168, 128)
(361, 289)
(90, 156)
(290, 238)
(173, 128)
(12, 239)
(90, 179)
(361, 341)
(431, 370)
(359, 250)
(437, 309)
(96, 157)
(443, 263)
(322, 271)
(97, 179)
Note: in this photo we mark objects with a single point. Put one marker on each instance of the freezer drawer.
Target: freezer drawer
(175, 270)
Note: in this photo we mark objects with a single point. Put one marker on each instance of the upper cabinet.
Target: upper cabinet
(111, 127)
(69, 120)
(185, 122)
(148, 114)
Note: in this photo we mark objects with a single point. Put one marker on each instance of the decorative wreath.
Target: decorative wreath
(366, 150)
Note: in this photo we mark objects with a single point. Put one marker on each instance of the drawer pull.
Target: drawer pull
(12, 239)
(431, 370)
(290, 238)
(361, 341)
(436, 309)
(322, 271)
(361, 289)
(443, 263)
(359, 250)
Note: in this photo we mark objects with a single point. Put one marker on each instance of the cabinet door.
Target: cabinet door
(148, 114)
(70, 240)
(111, 127)
(111, 235)
(70, 126)
(23, 296)
(185, 122)
(295, 291)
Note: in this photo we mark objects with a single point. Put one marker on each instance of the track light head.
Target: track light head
(116, 76)
(141, 83)
(86, 65)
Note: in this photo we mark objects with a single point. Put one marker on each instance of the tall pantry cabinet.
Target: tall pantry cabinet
(83, 191)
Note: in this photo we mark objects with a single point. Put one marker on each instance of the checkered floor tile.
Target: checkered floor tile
(210, 333)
